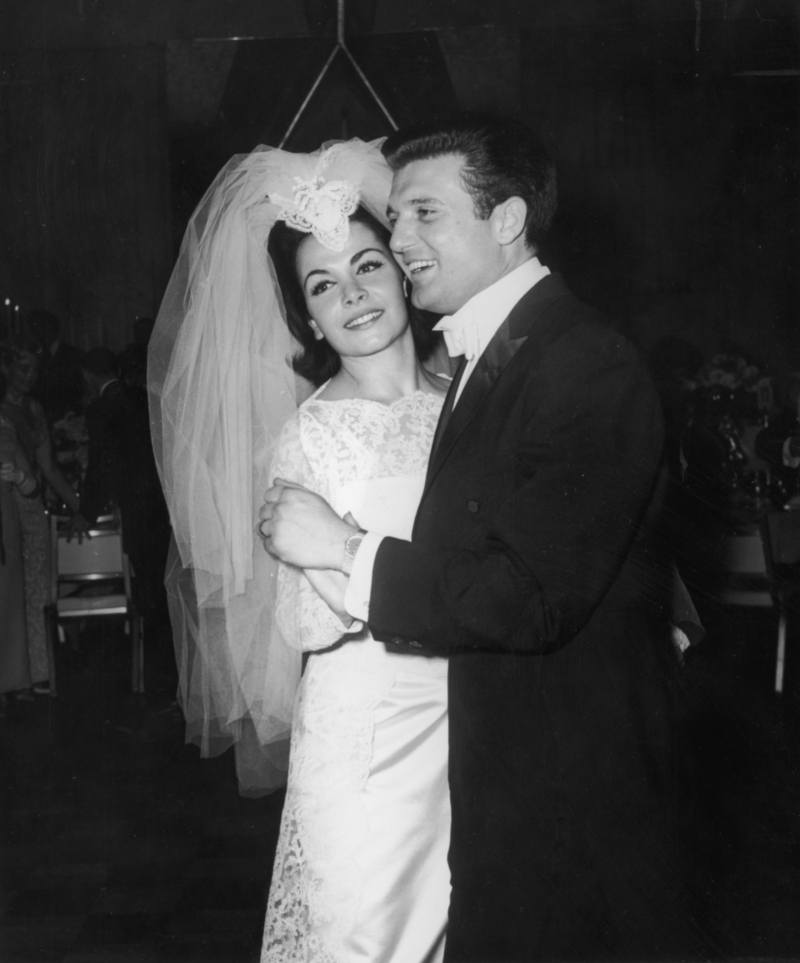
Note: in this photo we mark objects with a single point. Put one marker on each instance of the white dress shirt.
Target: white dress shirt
(466, 332)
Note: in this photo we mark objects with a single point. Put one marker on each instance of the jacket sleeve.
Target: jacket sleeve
(586, 468)
(95, 488)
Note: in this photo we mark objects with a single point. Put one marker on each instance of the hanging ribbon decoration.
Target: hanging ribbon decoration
(340, 45)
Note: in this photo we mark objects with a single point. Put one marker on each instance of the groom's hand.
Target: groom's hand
(301, 528)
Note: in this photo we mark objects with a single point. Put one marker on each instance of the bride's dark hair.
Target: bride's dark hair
(317, 361)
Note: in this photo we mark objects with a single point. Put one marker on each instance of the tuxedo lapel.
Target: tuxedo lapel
(508, 339)
(491, 363)
(447, 407)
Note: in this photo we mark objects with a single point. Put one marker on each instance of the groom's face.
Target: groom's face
(447, 252)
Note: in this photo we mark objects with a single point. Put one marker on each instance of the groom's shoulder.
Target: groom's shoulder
(550, 311)
(566, 323)
(573, 341)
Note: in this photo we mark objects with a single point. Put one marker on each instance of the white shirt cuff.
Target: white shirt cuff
(357, 593)
(790, 460)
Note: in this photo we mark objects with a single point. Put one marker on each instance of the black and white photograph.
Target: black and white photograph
(399, 481)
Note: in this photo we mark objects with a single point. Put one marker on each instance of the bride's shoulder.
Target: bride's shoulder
(317, 411)
(301, 442)
(296, 425)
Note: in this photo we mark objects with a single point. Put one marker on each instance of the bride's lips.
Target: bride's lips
(355, 324)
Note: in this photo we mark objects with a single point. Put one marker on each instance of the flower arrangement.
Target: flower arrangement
(733, 387)
(731, 397)
(728, 371)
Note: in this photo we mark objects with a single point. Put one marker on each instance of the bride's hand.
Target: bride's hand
(301, 528)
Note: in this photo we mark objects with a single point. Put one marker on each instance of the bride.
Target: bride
(361, 866)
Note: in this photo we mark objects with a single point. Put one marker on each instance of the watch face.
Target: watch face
(352, 543)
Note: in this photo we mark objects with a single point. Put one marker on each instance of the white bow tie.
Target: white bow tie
(461, 337)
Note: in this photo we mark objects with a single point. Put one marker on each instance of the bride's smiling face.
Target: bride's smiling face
(354, 297)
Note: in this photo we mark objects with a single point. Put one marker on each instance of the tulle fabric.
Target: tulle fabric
(221, 389)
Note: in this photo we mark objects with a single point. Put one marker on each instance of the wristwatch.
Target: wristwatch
(351, 545)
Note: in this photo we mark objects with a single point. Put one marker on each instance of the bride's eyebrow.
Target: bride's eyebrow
(367, 250)
(353, 260)
(312, 273)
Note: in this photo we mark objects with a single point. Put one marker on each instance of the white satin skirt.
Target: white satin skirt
(360, 872)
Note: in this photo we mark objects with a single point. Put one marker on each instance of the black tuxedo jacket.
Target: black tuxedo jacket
(108, 427)
(59, 386)
(122, 471)
(121, 467)
(536, 565)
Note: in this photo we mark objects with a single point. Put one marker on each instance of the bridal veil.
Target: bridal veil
(221, 389)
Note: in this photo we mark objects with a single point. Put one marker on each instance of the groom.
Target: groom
(535, 565)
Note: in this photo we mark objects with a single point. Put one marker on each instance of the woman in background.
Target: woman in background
(16, 478)
(19, 364)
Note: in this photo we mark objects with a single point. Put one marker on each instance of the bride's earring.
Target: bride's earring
(315, 328)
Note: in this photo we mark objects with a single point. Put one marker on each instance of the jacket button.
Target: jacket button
(396, 640)
(415, 645)
(473, 506)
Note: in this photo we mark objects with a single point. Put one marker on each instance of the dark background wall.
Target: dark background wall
(674, 125)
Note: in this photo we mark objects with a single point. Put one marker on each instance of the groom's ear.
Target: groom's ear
(508, 220)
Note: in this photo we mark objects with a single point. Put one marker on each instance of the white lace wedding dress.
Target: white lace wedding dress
(361, 870)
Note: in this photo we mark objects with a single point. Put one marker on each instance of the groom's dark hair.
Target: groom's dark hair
(502, 158)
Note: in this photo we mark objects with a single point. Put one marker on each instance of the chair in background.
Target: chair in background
(781, 534)
(92, 579)
(762, 571)
(748, 582)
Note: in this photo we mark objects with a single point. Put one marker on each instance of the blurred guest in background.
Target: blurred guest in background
(133, 366)
(142, 329)
(133, 358)
(695, 509)
(16, 475)
(20, 365)
(121, 473)
(107, 416)
(58, 387)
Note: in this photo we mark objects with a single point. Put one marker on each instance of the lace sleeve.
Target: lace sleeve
(303, 617)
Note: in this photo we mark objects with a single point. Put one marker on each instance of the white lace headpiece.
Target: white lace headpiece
(321, 207)
(221, 389)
